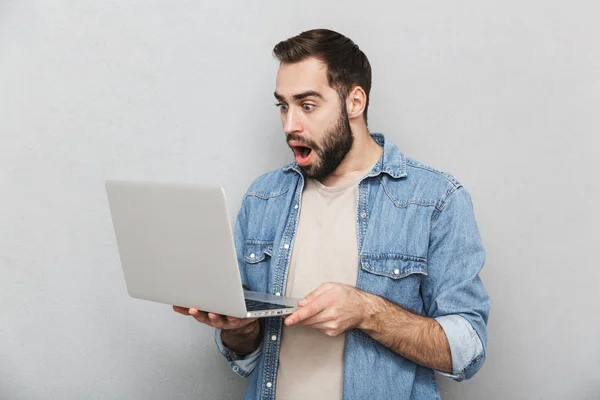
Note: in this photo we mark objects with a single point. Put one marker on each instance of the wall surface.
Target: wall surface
(503, 95)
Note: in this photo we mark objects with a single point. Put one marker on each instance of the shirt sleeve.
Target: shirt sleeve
(453, 292)
(465, 344)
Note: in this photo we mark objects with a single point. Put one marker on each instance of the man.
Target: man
(384, 251)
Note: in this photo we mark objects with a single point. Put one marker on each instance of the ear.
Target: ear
(356, 102)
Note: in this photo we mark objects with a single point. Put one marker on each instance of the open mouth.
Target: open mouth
(302, 154)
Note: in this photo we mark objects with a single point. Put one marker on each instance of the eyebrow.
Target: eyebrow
(300, 96)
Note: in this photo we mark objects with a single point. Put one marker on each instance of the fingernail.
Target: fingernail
(302, 302)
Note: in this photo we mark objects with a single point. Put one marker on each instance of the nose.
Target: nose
(291, 123)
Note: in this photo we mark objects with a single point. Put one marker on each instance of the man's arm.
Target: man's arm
(335, 308)
(241, 335)
(453, 293)
(417, 338)
(243, 340)
(238, 339)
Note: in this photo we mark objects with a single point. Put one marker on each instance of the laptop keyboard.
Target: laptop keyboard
(254, 305)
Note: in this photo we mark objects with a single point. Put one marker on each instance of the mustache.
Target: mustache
(302, 140)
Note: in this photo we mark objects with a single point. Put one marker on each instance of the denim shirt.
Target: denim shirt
(419, 247)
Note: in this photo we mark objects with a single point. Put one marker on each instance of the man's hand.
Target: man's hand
(333, 308)
(242, 335)
(215, 320)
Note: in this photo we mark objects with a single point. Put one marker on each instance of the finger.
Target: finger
(327, 323)
(314, 307)
(315, 293)
(318, 319)
(217, 320)
(200, 316)
(181, 310)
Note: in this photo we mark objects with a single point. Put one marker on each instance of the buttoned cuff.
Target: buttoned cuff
(240, 364)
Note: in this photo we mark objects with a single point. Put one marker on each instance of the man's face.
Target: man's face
(314, 119)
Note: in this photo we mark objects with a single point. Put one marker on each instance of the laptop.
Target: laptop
(176, 246)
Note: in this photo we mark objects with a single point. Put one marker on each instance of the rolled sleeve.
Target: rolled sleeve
(453, 292)
(465, 345)
(241, 365)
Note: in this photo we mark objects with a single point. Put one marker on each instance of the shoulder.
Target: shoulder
(422, 185)
(429, 174)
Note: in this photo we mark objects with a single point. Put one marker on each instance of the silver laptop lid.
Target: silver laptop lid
(176, 245)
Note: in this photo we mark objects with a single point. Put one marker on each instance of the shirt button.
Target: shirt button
(295, 206)
(252, 255)
(396, 271)
(363, 214)
(236, 368)
(269, 384)
(286, 246)
(277, 294)
(273, 338)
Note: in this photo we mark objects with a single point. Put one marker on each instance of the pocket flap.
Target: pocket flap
(255, 253)
(395, 266)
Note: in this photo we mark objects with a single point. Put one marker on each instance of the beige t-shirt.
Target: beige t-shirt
(311, 364)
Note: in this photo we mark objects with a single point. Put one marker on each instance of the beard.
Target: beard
(337, 142)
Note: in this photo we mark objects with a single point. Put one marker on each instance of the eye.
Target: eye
(282, 107)
(308, 107)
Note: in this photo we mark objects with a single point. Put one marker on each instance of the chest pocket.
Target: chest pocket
(258, 263)
(395, 277)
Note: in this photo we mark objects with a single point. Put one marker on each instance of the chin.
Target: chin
(308, 171)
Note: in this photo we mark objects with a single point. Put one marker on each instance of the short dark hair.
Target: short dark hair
(347, 65)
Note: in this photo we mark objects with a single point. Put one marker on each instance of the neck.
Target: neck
(364, 153)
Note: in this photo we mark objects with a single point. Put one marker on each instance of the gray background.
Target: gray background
(504, 95)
